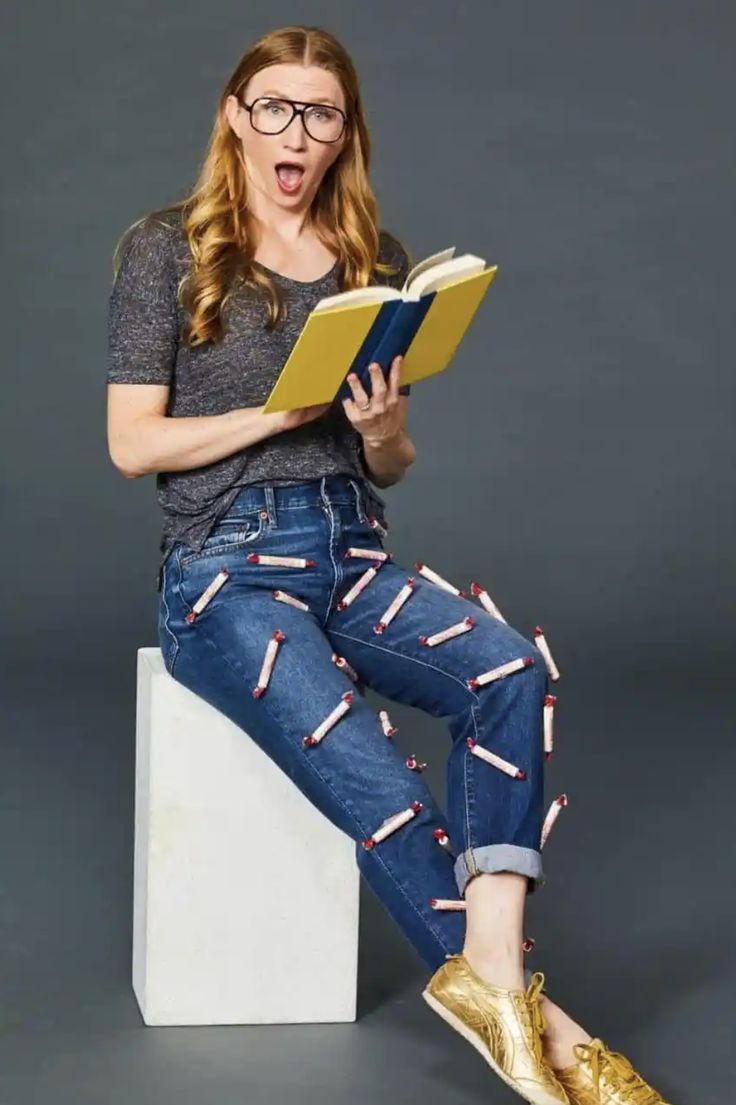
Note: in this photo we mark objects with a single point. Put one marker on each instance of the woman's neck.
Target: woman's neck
(303, 258)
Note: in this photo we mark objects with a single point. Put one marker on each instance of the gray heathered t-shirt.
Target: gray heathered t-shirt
(144, 346)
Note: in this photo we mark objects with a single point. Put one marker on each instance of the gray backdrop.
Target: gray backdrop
(581, 450)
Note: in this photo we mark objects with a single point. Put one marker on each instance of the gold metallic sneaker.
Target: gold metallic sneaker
(505, 1026)
(603, 1077)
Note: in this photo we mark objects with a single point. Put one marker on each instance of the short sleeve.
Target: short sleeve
(392, 252)
(142, 319)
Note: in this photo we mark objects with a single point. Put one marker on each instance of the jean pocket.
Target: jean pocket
(361, 534)
(227, 535)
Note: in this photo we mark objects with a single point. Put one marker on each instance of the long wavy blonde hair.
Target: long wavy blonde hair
(215, 216)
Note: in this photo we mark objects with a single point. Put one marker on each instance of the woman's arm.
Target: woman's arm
(143, 335)
(142, 439)
(387, 458)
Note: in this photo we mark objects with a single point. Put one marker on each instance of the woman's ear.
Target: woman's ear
(232, 107)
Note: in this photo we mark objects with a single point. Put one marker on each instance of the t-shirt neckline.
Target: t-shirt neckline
(292, 279)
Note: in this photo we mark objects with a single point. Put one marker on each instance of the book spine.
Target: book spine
(390, 335)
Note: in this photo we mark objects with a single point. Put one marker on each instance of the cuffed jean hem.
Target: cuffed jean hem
(499, 857)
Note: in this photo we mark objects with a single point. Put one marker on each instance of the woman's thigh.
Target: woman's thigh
(400, 660)
(309, 717)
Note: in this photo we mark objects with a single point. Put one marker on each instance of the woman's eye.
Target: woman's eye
(323, 115)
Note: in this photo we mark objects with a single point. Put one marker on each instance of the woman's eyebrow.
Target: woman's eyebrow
(283, 96)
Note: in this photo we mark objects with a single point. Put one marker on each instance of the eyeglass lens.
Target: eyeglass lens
(321, 121)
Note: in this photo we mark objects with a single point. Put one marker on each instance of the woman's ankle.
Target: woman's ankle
(496, 969)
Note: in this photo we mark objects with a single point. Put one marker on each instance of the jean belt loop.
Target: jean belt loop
(359, 503)
(270, 499)
(323, 494)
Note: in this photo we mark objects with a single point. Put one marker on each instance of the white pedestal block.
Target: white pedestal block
(245, 896)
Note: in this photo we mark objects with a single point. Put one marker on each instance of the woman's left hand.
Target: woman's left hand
(379, 418)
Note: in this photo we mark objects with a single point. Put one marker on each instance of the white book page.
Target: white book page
(447, 272)
(421, 266)
(434, 272)
(356, 296)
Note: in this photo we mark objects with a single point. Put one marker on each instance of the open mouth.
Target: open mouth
(289, 175)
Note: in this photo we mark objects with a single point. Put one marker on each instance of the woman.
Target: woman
(209, 297)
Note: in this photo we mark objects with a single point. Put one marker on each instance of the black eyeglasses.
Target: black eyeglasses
(322, 122)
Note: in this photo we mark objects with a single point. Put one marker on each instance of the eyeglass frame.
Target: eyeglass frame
(294, 112)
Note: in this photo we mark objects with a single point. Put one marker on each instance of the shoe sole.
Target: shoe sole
(459, 1026)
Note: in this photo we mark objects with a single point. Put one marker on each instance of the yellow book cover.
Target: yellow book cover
(425, 321)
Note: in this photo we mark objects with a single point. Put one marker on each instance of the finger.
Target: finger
(378, 384)
(359, 392)
(393, 378)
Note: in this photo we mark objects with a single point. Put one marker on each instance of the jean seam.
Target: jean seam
(352, 816)
(469, 789)
(406, 656)
(336, 568)
(167, 627)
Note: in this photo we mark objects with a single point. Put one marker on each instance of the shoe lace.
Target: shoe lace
(632, 1087)
(531, 1013)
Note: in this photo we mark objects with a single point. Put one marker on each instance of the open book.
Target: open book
(425, 321)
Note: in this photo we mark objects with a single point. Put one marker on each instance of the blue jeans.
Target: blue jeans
(351, 768)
